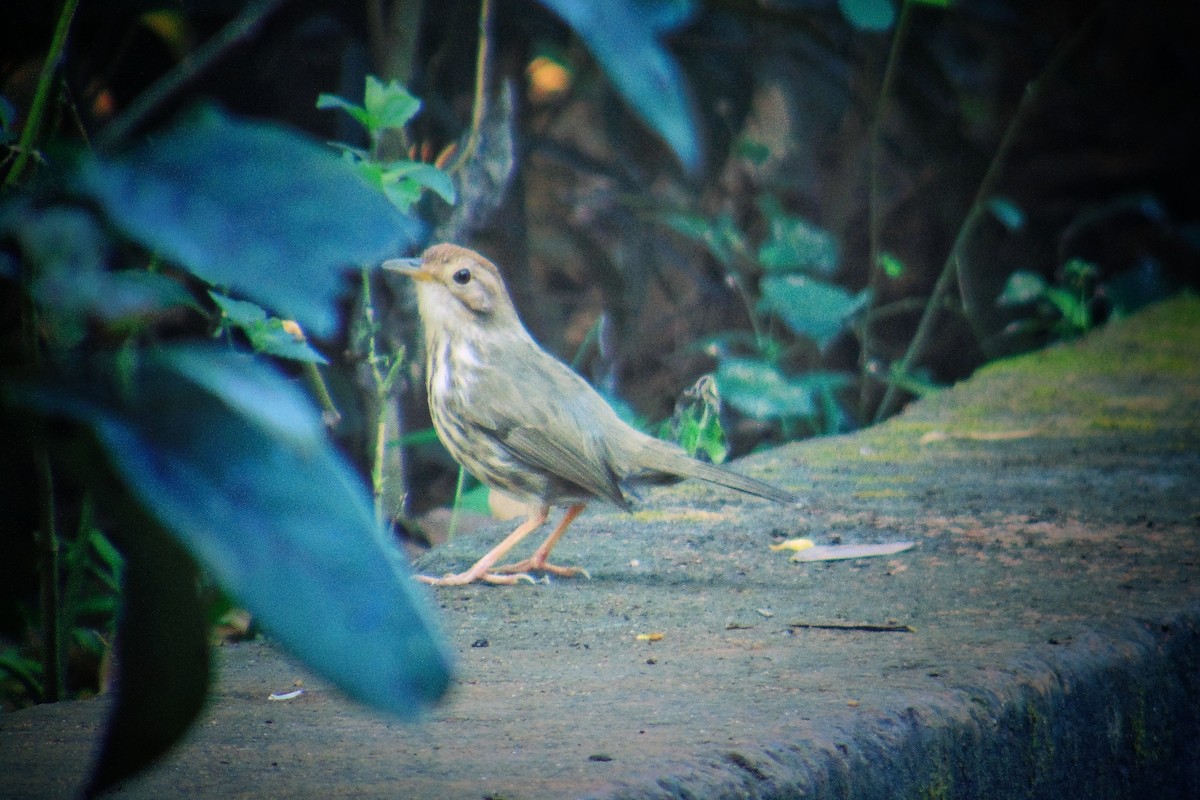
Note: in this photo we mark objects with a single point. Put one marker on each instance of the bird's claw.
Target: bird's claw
(467, 578)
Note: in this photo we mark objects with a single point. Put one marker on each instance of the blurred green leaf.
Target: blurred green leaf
(624, 36)
(809, 307)
(360, 115)
(1007, 213)
(246, 387)
(696, 425)
(892, 266)
(385, 105)
(825, 386)
(1022, 288)
(760, 391)
(388, 105)
(163, 671)
(795, 244)
(258, 495)
(754, 152)
(251, 206)
(426, 176)
(869, 15)
(267, 334)
(720, 235)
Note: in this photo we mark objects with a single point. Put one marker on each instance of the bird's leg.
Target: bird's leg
(482, 570)
(537, 562)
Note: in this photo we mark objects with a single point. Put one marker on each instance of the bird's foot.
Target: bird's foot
(528, 565)
(471, 576)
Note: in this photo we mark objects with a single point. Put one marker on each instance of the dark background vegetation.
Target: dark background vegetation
(916, 166)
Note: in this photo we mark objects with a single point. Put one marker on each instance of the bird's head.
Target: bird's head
(458, 288)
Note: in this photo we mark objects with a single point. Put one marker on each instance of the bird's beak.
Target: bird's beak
(409, 267)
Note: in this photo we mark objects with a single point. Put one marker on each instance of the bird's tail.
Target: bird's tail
(662, 457)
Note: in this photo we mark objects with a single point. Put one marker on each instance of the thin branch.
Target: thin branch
(874, 212)
(37, 109)
(950, 270)
(240, 28)
(54, 661)
(483, 58)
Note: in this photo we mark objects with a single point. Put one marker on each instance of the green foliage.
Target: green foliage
(869, 15)
(203, 455)
(1064, 310)
(249, 206)
(389, 107)
(809, 307)
(696, 423)
(776, 376)
(386, 109)
(385, 105)
(267, 334)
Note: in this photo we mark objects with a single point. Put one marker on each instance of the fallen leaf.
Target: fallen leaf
(978, 436)
(835, 552)
(793, 544)
(650, 637)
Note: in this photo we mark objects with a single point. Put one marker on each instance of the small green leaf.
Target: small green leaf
(388, 105)
(754, 152)
(873, 16)
(360, 115)
(760, 391)
(1007, 213)
(810, 307)
(721, 235)
(267, 334)
(426, 176)
(1022, 288)
(892, 266)
(795, 244)
(695, 424)
(241, 383)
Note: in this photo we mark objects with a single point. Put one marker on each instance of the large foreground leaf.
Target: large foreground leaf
(253, 207)
(267, 505)
(163, 668)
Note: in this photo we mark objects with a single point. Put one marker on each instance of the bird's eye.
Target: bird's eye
(462, 277)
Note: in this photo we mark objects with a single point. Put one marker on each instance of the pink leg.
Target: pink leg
(537, 562)
(482, 570)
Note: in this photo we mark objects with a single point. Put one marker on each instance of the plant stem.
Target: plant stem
(53, 647)
(479, 106)
(381, 384)
(241, 27)
(379, 447)
(978, 207)
(316, 381)
(874, 212)
(37, 109)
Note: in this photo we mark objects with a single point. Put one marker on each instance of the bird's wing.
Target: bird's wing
(541, 412)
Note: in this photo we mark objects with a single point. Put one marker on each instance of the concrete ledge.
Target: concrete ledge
(1053, 597)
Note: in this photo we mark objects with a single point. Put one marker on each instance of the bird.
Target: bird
(522, 421)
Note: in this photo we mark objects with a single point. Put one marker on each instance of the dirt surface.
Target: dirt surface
(1053, 598)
